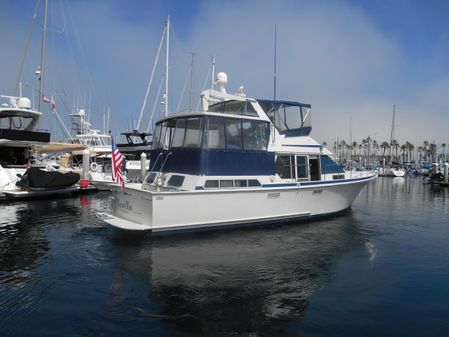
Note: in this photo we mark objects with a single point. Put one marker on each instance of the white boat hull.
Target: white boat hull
(137, 209)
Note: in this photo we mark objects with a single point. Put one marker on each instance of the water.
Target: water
(381, 269)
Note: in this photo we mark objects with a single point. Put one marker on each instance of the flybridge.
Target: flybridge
(291, 119)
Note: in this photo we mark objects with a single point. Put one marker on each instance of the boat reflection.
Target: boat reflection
(240, 280)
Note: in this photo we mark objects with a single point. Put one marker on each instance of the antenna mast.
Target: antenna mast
(41, 74)
(274, 82)
(192, 71)
(166, 65)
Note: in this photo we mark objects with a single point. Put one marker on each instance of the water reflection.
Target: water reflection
(28, 231)
(246, 281)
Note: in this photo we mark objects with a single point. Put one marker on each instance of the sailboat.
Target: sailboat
(393, 169)
(139, 142)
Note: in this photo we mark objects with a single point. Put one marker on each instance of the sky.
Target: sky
(352, 60)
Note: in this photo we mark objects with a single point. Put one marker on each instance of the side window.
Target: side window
(255, 135)
(194, 132)
(302, 167)
(180, 130)
(284, 167)
(233, 134)
(214, 133)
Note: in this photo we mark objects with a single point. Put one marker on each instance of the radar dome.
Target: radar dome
(24, 103)
(221, 79)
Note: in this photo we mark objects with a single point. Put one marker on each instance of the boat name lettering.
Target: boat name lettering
(125, 205)
(273, 195)
(160, 198)
(317, 191)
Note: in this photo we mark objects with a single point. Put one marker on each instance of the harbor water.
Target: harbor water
(379, 269)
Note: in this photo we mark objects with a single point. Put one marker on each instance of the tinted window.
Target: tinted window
(241, 183)
(226, 183)
(283, 167)
(175, 180)
(211, 184)
(302, 166)
(253, 183)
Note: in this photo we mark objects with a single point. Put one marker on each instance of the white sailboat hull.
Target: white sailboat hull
(140, 210)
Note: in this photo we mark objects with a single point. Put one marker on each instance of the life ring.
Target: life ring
(93, 167)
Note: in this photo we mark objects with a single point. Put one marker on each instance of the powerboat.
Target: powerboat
(239, 161)
(21, 175)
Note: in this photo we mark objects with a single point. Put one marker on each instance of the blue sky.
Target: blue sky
(351, 60)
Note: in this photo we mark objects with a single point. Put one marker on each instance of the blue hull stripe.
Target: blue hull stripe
(334, 181)
(291, 145)
(311, 183)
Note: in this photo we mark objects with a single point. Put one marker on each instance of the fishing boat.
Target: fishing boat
(239, 161)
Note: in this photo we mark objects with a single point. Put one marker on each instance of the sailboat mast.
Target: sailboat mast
(392, 124)
(166, 65)
(274, 82)
(41, 75)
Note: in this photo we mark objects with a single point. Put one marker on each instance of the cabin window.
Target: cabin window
(151, 177)
(255, 135)
(161, 136)
(233, 134)
(194, 132)
(244, 108)
(176, 180)
(214, 133)
(302, 167)
(241, 183)
(253, 183)
(226, 183)
(179, 133)
(156, 136)
(211, 184)
(284, 167)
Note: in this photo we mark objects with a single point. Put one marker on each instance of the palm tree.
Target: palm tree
(420, 150)
(354, 146)
(403, 150)
(443, 151)
(384, 146)
(411, 149)
(425, 145)
(395, 145)
(433, 151)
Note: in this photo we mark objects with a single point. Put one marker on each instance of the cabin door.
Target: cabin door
(314, 164)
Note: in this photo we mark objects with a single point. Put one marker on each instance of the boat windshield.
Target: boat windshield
(210, 132)
(243, 108)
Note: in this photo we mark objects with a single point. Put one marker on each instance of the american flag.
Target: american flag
(117, 162)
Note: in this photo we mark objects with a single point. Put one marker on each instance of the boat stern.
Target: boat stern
(130, 209)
